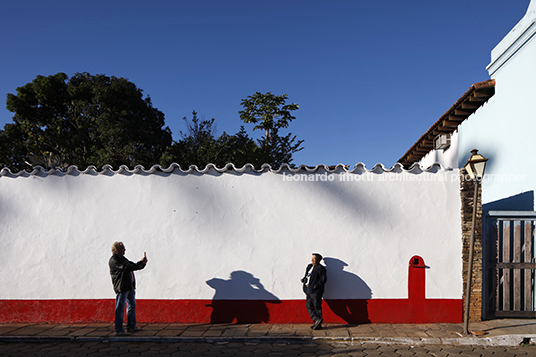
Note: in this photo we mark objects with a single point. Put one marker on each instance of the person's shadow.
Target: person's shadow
(346, 293)
(241, 299)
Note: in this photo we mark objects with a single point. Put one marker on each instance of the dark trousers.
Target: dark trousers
(314, 305)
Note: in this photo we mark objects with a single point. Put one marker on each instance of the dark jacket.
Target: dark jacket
(121, 270)
(317, 281)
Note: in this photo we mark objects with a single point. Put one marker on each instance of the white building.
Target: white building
(498, 117)
(502, 129)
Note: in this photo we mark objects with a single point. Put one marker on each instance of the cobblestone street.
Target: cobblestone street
(130, 349)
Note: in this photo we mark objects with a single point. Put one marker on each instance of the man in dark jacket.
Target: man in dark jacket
(313, 286)
(122, 272)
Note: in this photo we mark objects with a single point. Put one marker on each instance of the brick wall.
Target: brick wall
(467, 195)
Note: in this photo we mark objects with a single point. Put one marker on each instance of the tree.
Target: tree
(199, 146)
(278, 150)
(268, 111)
(271, 113)
(83, 120)
(239, 149)
(12, 148)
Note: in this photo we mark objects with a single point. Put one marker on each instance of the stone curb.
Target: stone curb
(503, 340)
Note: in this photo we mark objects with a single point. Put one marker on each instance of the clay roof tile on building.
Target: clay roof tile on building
(469, 102)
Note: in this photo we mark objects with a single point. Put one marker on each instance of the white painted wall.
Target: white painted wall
(503, 130)
(448, 158)
(57, 230)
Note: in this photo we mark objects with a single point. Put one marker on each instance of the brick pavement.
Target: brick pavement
(127, 348)
(496, 333)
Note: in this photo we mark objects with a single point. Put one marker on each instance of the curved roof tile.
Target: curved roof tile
(108, 169)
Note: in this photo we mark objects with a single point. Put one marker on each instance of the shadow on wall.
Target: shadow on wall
(353, 308)
(241, 299)
(521, 202)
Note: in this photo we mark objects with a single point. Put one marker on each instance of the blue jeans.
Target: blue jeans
(128, 297)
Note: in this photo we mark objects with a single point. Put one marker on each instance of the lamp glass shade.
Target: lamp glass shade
(470, 171)
(479, 168)
(475, 166)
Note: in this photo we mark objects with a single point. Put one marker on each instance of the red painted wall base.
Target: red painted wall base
(415, 310)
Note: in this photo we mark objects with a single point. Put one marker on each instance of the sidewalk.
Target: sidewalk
(495, 333)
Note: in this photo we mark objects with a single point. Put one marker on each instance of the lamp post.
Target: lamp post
(475, 167)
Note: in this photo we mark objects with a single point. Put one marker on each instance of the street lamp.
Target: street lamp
(474, 167)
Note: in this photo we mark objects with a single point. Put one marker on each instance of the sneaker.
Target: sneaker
(132, 329)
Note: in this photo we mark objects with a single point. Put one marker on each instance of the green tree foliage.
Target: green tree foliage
(197, 145)
(96, 120)
(270, 113)
(12, 148)
(83, 120)
(200, 146)
(240, 149)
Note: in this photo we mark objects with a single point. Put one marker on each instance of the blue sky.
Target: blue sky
(370, 76)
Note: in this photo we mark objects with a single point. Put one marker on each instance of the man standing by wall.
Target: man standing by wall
(122, 272)
(313, 286)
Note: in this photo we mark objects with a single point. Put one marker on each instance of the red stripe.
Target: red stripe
(415, 309)
(240, 311)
